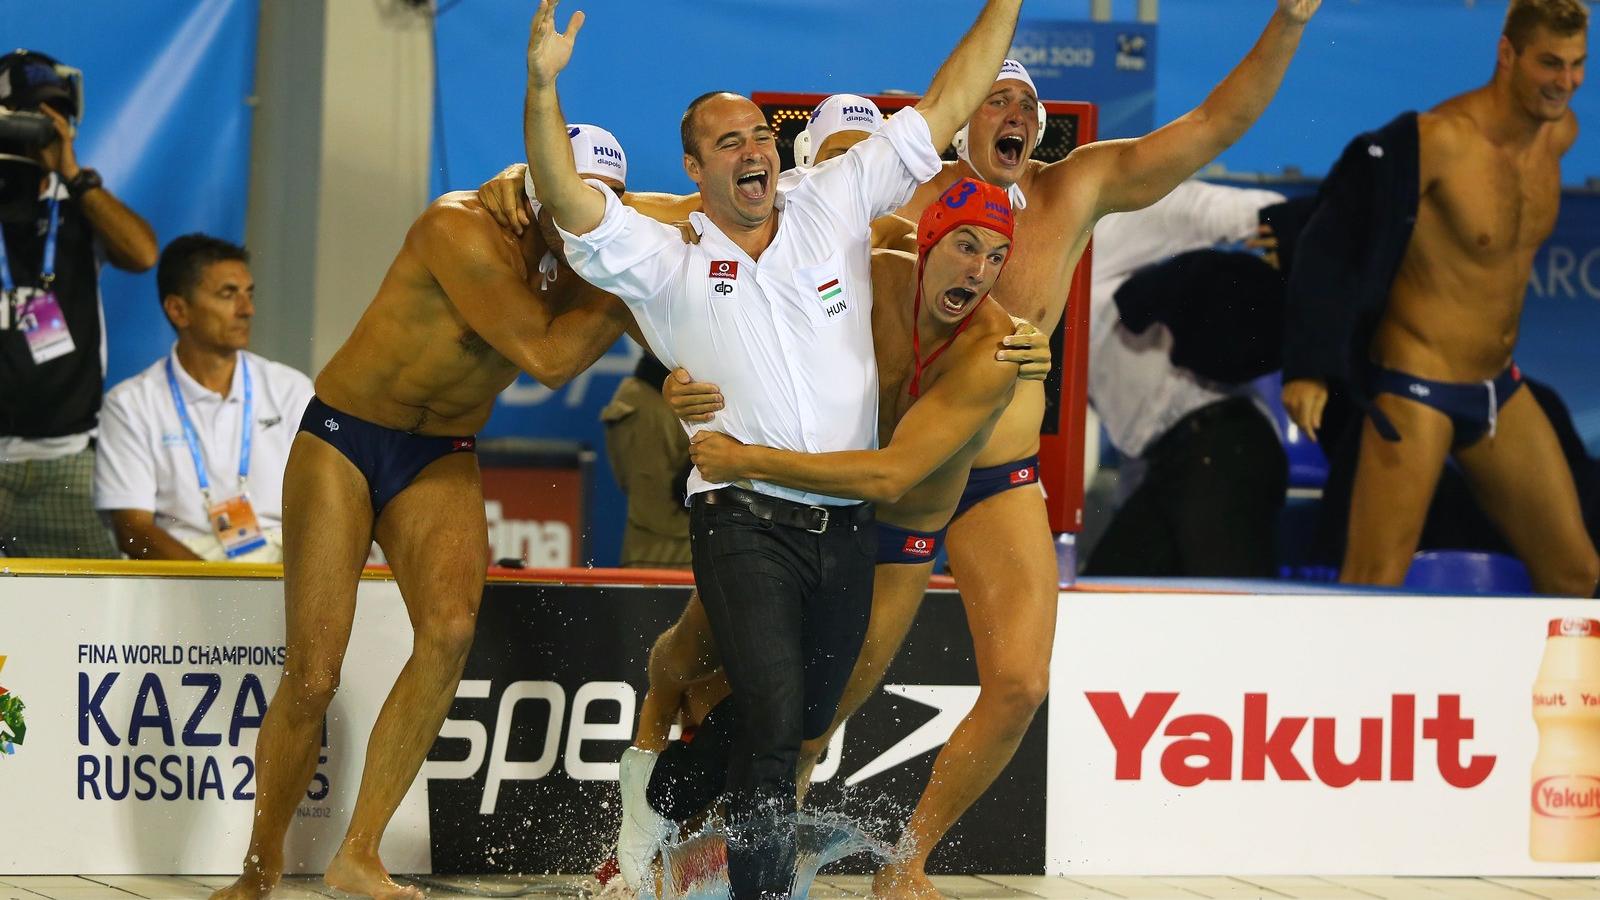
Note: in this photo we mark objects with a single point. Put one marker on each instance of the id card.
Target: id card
(37, 314)
(233, 521)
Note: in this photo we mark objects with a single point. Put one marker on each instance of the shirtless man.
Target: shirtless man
(386, 452)
(1441, 369)
(1000, 546)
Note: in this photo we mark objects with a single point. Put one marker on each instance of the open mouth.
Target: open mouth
(753, 185)
(956, 299)
(1009, 149)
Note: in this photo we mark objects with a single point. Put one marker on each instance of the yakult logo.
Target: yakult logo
(1567, 797)
(1202, 748)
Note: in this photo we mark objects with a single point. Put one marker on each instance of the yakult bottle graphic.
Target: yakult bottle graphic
(1565, 823)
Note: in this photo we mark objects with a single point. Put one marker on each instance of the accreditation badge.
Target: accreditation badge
(233, 521)
(37, 314)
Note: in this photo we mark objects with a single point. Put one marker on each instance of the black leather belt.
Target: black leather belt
(815, 519)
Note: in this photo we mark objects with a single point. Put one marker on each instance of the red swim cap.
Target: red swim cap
(967, 202)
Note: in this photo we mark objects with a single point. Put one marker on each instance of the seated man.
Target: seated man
(192, 449)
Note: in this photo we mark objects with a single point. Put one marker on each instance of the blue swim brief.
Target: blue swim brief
(1471, 407)
(389, 459)
(901, 546)
(990, 480)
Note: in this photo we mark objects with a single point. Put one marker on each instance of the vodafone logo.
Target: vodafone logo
(1202, 747)
(1567, 797)
(1022, 476)
(724, 279)
(919, 546)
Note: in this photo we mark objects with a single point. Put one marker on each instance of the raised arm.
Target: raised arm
(1132, 174)
(966, 77)
(577, 207)
(938, 425)
(461, 251)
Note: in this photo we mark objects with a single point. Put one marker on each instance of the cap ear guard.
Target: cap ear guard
(959, 142)
(804, 155)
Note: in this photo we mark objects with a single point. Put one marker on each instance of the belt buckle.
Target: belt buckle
(824, 526)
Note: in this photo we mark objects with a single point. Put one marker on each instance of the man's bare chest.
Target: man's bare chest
(1495, 206)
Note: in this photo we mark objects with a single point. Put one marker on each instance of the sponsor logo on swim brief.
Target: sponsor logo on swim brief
(1420, 390)
(1024, 475)
(12, 728)
(459, 444)
(330, 424)
(918, 545)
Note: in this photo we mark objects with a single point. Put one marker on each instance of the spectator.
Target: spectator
(1212, 465)
(52, 348)
(193, 449)
(649, 455)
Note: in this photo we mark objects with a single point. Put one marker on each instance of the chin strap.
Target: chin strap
(1014, 192)
(918, 363)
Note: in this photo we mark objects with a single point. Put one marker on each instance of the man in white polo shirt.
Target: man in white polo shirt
(192, 449)
(773, 304)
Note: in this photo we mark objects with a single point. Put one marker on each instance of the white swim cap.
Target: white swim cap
(595, 152)
(1010, 70)
(841, 112)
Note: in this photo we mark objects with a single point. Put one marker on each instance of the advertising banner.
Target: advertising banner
(130, 708)
(523, 777)
(1337, 734)
(1109, 64)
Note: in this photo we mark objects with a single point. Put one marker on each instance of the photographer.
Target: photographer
(59, 224)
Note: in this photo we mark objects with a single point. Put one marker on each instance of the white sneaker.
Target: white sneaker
(643, 829)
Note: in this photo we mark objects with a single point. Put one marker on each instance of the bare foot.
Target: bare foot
(366, 877)
(901, 882)
(254, 883)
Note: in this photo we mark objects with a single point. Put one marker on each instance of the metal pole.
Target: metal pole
(1100, 10)
(1148, 10)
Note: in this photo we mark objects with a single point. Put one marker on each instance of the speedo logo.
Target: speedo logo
(1202, 746)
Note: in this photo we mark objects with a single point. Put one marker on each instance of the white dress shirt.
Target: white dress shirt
(144, 461)
(789, 338)
(1133, 385)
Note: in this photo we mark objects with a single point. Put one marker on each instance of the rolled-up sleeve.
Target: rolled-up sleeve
(879, 175)
(628, 254)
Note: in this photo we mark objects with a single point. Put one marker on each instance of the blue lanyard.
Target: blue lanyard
(193, 438)
(47, 273)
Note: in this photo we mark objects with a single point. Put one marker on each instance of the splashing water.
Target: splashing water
(696, 868)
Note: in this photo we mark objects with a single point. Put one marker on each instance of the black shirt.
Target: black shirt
(60, 397)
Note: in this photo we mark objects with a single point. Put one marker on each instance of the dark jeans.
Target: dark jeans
(789, 609)
(1209, 502)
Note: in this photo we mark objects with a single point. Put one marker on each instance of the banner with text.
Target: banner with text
(1331, 734)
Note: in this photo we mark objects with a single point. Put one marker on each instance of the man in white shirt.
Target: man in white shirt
(773, 305)
(192, 449)
(1191, 438)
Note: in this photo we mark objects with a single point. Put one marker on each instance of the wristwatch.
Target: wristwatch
(82, 183)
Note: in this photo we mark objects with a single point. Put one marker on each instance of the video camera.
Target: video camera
(30, 80)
